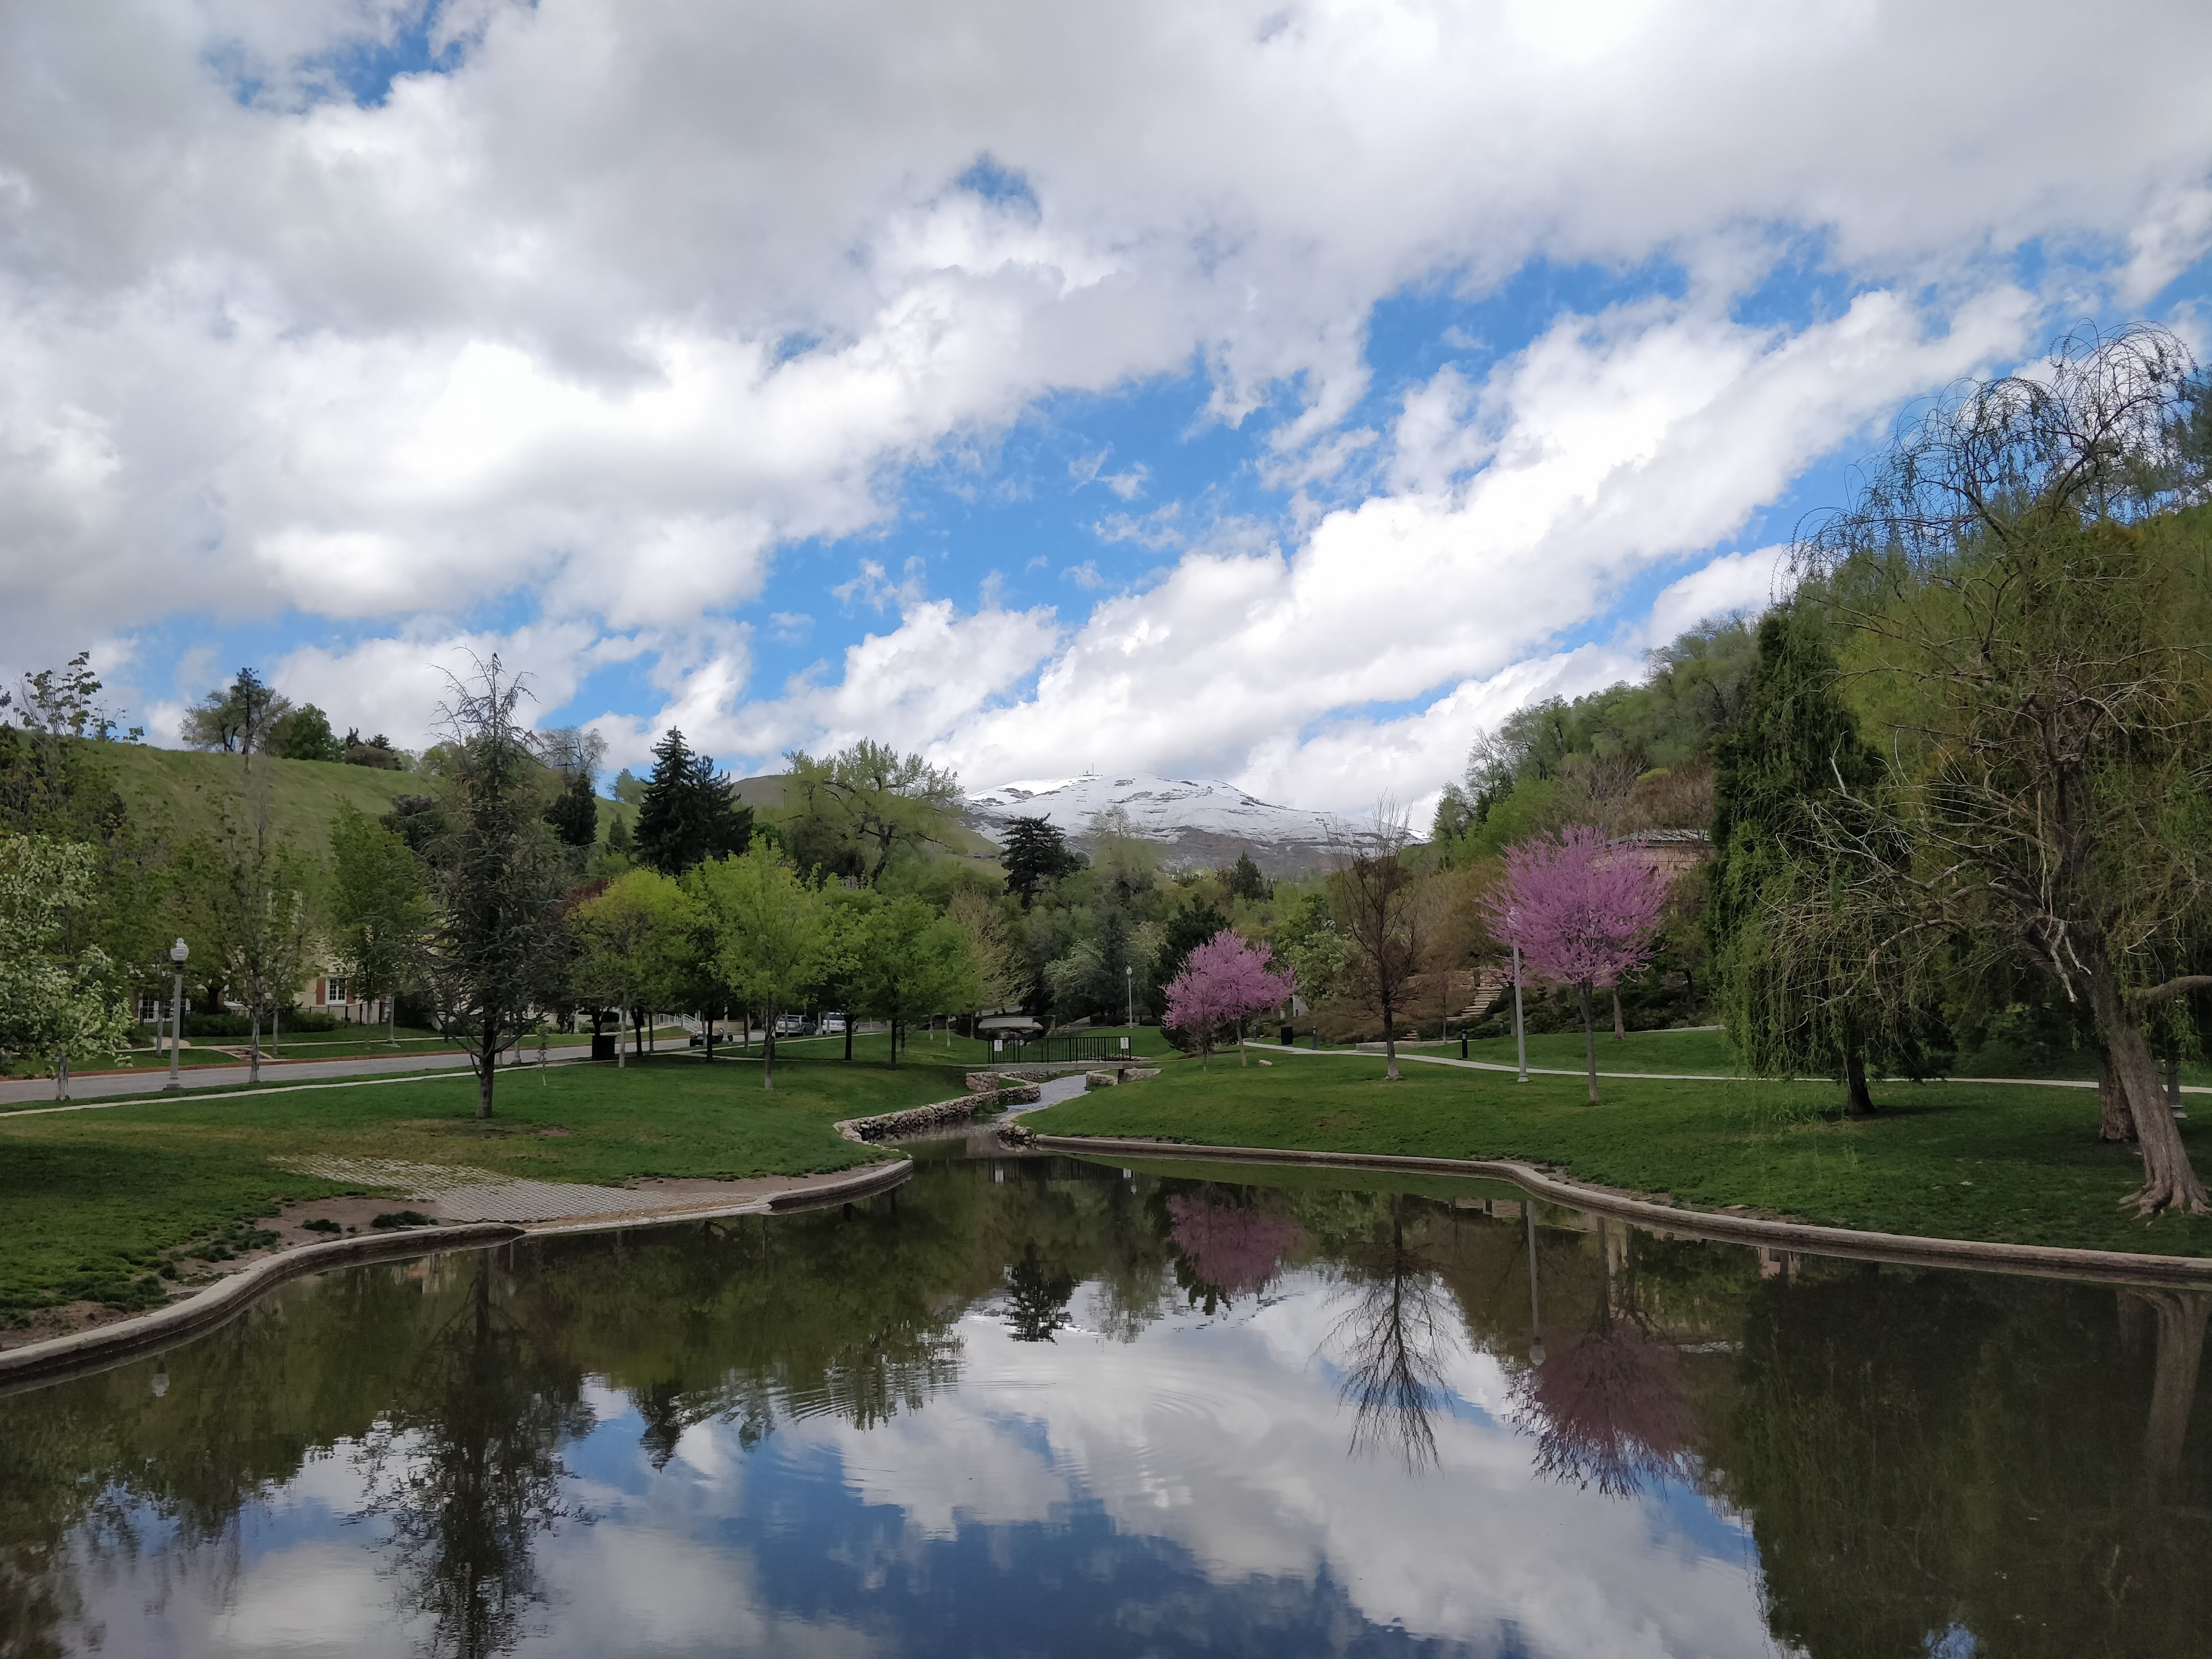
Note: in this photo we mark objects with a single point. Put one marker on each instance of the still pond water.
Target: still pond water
(1032, 1406)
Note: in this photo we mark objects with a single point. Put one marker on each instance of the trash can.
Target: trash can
(1289, 1038)
(603, 1042)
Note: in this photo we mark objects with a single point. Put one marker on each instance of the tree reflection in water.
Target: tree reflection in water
(1397, 1335)
(1607, 1410)
(465, 1469)
(1036, 1297)
(1230, 1249)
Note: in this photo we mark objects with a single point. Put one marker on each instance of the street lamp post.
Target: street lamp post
(1520, 1036)
(177, 953)
(1129, 980)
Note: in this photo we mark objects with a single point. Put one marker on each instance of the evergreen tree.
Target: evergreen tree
(1036, 855)
(1804, 1003)
(575, 814)
(619, 839)
(687, 815)
(1245, 880)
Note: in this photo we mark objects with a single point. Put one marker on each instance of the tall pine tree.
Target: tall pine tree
(1036, 855)
(688, 816)
(1791, 955)
(574, 813)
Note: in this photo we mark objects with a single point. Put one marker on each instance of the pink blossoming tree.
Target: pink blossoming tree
(1225, 981)
(1583, 916)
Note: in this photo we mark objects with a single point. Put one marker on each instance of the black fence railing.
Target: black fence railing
(1044, 1051)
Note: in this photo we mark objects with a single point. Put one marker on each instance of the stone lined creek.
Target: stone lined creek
(1028, 1405)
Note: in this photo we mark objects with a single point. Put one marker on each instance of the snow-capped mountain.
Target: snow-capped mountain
(1198, 823)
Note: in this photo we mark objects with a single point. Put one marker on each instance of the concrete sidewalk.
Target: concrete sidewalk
(125, 1086)
(1406, 1055)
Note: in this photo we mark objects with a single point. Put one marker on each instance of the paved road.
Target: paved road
(21, 1091)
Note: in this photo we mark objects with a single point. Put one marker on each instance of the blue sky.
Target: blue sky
(1274, 393)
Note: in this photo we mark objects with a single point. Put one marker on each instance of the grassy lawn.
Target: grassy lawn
(92, 1202)
(1947, 1160)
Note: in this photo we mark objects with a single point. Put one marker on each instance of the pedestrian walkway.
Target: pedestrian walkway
(459, 1195)
(124, 1085)
(1376, 1051)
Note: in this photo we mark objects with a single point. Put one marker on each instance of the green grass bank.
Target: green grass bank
(1947, 1160)
(94, 1203)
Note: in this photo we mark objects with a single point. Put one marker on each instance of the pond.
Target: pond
(1029, 1405)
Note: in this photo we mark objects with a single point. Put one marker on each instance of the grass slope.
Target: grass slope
(190, 790)
(92, 1202)
(1944, 1160)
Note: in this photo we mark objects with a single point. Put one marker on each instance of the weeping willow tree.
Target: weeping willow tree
(1796, 953)
(2028, 578)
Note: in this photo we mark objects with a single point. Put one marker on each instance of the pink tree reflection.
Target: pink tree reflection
(1608, 1410)
(1237, 1251)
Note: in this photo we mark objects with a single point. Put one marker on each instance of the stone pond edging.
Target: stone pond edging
(36, 1363)
(988, 1092)
(2035, 1260)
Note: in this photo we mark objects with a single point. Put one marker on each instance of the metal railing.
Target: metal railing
(1040, 1051)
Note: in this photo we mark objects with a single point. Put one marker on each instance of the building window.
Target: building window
(337, 992)
(149, 1007)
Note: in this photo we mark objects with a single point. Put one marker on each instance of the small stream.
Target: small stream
(1027, 1405)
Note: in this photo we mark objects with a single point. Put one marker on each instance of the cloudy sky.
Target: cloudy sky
(1273, 392)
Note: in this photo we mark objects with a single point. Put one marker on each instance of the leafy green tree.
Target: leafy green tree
(379, 907)
(305, 734)
(636, 943)
(497, 879)
(769, 932)
(2024, 575)
(1037, 855)
(914, 964)
(873, 800)
(376, 752)
(239, 718)
(1799, 999)
(687, 814)
(54, 1004)
(262, 892)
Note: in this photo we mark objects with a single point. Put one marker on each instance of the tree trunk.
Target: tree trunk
(487, 1066)
(1619, 1025)
(253, 1036)
(1241, 1060)
(2169, 1181)
(1389, 1042)
(2115, 1121)
(767, 1047)
(1590, 1039)
(61, 1077)
(1857, 1102)
(710, 1039)
(2173, 1077)
(849, 1038)
(392, 1020)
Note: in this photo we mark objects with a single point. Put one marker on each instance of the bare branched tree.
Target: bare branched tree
(1376, 894)
(2031, 605)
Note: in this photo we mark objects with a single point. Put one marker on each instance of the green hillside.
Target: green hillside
(190, 790)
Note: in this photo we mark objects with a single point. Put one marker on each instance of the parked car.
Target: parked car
(831, 1023)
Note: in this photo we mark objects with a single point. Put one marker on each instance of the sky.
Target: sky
(1278, 393)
